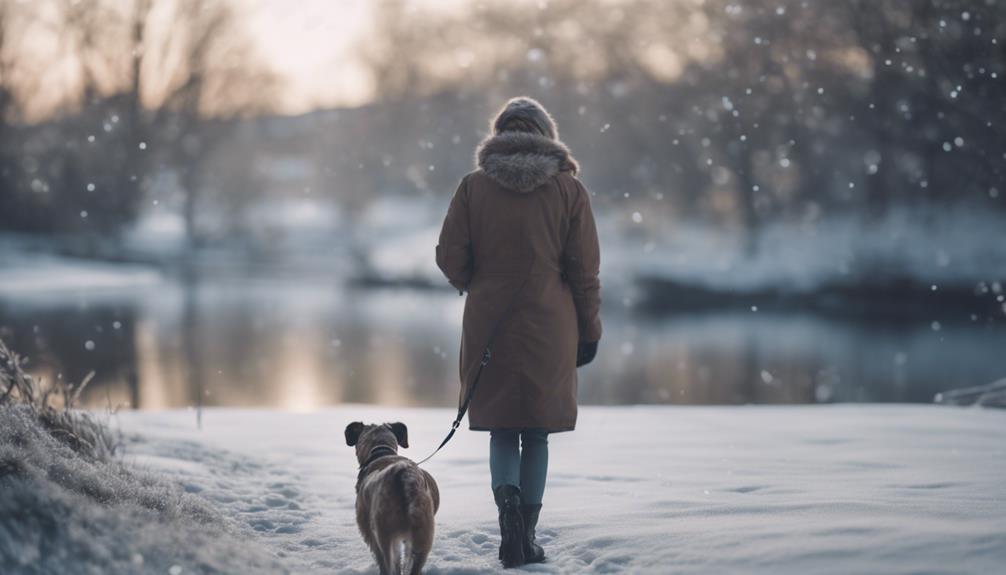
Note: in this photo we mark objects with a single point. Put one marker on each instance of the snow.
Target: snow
(25, 274)
(408, 257)
(990, 395)
(395, 236)
(814, 489)
(398, 234)
(157, 231)
(77, 512)
(953, 246)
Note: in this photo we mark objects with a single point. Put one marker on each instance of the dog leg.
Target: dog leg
(420, 509)
(393, 555)
(420, 543)
(417, 558)
(414, 557)
(380, 557)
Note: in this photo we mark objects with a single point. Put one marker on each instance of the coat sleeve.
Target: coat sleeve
(454, 249)
(581, 264)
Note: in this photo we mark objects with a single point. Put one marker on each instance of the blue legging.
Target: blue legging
(525, 466)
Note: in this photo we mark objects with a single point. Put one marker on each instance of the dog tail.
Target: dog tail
(416, 496)
(419, 509)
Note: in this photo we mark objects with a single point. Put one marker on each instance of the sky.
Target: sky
(314, 47)
(311, 45)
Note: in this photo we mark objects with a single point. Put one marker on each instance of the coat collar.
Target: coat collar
(522, 161)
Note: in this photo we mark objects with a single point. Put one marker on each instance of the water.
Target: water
(300, 345)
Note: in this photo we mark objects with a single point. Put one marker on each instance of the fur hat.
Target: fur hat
(525, 114)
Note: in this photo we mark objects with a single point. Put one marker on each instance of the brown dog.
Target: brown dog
(395, 499)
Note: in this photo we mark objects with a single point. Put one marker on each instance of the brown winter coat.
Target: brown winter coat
(523, 211)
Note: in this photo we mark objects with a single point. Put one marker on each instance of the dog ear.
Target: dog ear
(401, 433)
(353, 432)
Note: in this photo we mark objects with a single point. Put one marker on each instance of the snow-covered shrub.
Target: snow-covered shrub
(69, 505)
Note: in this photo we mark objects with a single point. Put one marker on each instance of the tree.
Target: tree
(154, 84)
(212, 77)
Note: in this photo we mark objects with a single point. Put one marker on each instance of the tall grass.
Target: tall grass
(52, 406)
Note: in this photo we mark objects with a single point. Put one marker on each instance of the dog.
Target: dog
(395, 500)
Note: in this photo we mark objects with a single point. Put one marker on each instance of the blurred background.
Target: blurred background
(236, 202)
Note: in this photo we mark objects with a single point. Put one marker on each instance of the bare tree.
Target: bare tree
(158, 80)
(7, 62)
(212, 77)
(132, 174)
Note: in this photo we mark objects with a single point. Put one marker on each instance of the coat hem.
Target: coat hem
(503, 428)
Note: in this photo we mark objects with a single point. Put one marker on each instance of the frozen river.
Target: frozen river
(306, 344)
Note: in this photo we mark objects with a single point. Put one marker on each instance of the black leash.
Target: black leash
(486, 356)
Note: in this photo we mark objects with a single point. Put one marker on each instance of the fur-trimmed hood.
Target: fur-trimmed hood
(522, 161)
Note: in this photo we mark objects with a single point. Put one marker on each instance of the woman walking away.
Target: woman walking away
(520, 238)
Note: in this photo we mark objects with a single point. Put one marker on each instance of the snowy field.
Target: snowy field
(828, 489)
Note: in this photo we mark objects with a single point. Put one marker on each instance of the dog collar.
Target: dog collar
(377, 453)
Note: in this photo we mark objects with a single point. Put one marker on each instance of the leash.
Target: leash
(486, 356)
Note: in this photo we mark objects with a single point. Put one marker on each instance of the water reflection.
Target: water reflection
(753, 358)
(298, 346)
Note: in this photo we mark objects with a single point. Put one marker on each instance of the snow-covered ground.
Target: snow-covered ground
(821, 489)
(25, 274)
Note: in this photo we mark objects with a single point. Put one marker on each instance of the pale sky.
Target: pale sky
(313, 46)
(310, 44)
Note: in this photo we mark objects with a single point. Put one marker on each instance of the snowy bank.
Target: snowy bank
(927, 245)
(73, 510)
(837, 489)
(26, 274)
(907, 262)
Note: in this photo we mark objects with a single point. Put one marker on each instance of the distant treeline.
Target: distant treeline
(743, 110)
(733, 111)
(144, 91)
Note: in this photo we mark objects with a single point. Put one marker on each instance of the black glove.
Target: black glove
(585, 352)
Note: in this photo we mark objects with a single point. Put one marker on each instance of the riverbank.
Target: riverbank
(832, 489)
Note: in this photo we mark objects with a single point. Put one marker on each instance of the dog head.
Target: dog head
(368, 437)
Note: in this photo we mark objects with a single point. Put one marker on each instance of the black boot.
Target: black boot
(533, 553)
(511, 525)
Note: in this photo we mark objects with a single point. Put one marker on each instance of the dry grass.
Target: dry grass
(53, 407)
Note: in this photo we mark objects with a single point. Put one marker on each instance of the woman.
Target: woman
(520, 238)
